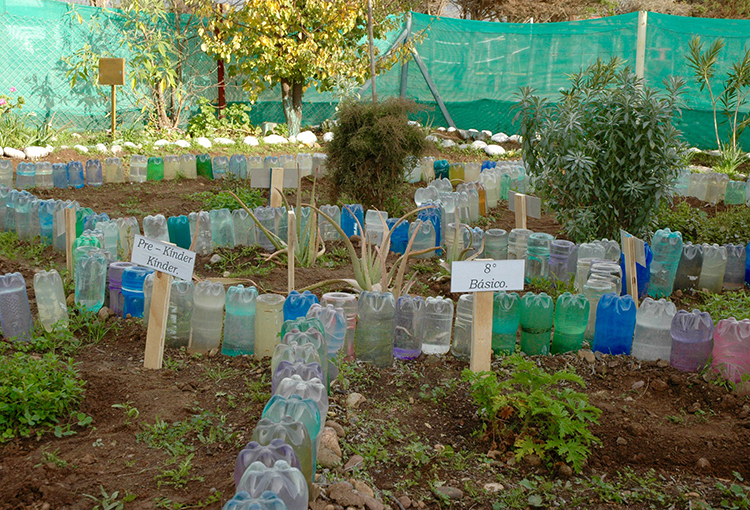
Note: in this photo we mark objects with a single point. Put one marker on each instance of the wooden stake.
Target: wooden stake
(291, 236)
(520, 203)
(630, 268)
(481, 333)
(70, 237)
(277, 185)
(114, 110)
(157, 321)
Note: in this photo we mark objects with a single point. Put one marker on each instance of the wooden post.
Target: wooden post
(481, 333)
(277, 186)
(520, 204)
(157, 321)
(291, 243)
(114, 110)
(630, 268)
(70, 237)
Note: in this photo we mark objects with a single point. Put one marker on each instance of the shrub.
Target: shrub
(370, 145)
(206, 121)
(606, 154)
(539, 411)
(36, 393)
(731, 225)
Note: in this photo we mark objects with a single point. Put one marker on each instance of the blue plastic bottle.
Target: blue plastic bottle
(400, 236)
(60, 175)
(747, 266)
(433, 214)
(132, 290)
(75, 174)
(615, 324)
(350, 214)
(297, 305)
(94, 175)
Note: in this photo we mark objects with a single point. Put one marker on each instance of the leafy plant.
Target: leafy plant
(180, 476)
(36, 394)
(606, 154)
(131, 412)
(110, 501)
(234, 122)
(368, 154)
(229, 199)
(732, 96)
(541, 412)
(727, 304)
(735, 496)
(728, 226)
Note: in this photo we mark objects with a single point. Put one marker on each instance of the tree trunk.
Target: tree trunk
(291, 101)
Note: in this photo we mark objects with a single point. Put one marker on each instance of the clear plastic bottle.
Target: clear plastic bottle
(735, 193)
(111, 236)
(128, 229)
(113, 171)
(90, 277)
(314, 389)
(268, 454)
(692, 340)
(15, 312)
(537, 255)
(222, 228)
(334, 323)
(310, 336)
(244, 228)
(586, 253)
(44, 176)
(423, 195)
(75, 174)
(259, 176)
(289, 484)
(23, 215)
(266, 217)
(734, 275)
(667, 248)
(138, 168)
(180, 313)
(731, 353)
(373, 341)
(375, 223)
(94, 175)
(348, 302)
(425, 238)
(714, 266)
(496, 244)
(239, 325)
(319, 164)
(60, 175)
(607, 271)
(517, 241)
(304, 410)
(327, 231)
(266, 501)
(463, 327)
(306, 371)
(6, 173)
(561, 253)
(208, 317)
(438, 325)
(409, 333)
(304, 162)
(269, 316)
(187, 166)
(204, 237)
(716, 187)
(155, 227)
(25, 175)
(653, 325)
(220, 167)
(3, 205)
(238, 167)
(293, 352)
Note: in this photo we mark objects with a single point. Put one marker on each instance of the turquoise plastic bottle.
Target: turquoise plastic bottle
(537, 314)
(304, 410)
(155, 169)
(239, 323)
(297, 305)
(615, 324)
(267, 500)
(295, 434)
(506, 316)
(667, 248)
(571, 318)
(179, 231)
(442, 169)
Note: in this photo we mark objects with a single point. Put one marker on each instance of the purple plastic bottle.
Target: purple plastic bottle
(692, 340)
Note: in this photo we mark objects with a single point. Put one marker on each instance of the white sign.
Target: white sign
(487, 275)
(640, 247)
(533, 204)
(163, 257)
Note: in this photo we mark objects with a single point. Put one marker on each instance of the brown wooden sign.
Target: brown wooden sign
(111, 71)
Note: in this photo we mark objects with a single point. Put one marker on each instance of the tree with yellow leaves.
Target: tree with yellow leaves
(295, 43)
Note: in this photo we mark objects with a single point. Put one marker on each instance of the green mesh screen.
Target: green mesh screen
(477, 67)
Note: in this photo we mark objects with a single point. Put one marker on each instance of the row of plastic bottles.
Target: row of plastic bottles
(712, 187)
(93, 172)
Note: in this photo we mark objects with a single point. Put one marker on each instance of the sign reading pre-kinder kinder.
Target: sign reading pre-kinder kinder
(487, 275)
(163, 257)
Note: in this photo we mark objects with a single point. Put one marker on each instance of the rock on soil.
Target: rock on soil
(449, 492)
(14, 153)
(307, 138)
(354, 461)
(354, 399)
(329, 454)
(344, 494)
(338, 428)
(250, 140)
(275, 139)
(328, 137)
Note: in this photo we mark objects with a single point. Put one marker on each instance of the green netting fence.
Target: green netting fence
(475, 68)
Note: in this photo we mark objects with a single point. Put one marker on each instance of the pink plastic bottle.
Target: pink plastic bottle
(731, 355)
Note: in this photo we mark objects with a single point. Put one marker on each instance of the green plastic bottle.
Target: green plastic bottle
(155, 169)
(203, 166)
(571, 318)
(537, 311)
(506, 315)
(81, 215)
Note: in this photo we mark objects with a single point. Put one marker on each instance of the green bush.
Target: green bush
(605, 155)
(206, 121)
(731, 225)
(36, 393)
(371, 142)
(540, 411)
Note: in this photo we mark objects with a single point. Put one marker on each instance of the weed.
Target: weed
(173, 364)
(224, 200)
(336, 256)
(554, 289)
(211, 499)
(89, 326)
(33, 251)
(131, 413)
(53, 458)
(677, 420)
(36, 393)
(735, 496)
(258, 390)
(545, 416)
(727, 304)
(180, 476)
(177, 438)
(218, 374)
(241, 261)
(110, 501)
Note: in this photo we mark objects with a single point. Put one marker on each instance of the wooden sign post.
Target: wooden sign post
(168, 260)
(112, 72)
(70, 237)
(524, 205)
(633, 250)
(277, 186)
(483, 278)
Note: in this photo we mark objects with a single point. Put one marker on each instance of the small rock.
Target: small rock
(499, 138)
(215, 259)
(354, 461)
(363, 488)
(464, 134)
(226, 274)
(329, 453)
(431, 138)
(414, 123)
(703, 463)
(104, 313)
(292, 139)
(495, 454)
(182, 143)
(372, 504)
(487, 133)
(70, 300)
(692, 495)
(81, 148)
(116, 149)
(75, 135)
(328, 137)
(46, 506)
(493, 487)
(88, 459)
(204, 142)
(343, 494)
(658, 385)
(354, 399)
(565, 471)
(464, 146)
(330, 507)
(532, 460)
(451, 129)
(275, 140)
(405, 501)
(637, 385)
(224, 141)
(479, 145)
(515, 138)
(251, 140)
(662, 363)
(622, 441)
(34, 152)
(307, 138)
(130, 145)
(14, 153)
(441, 129)
(319, 505)
(635, 428)
(448, 143)
(100, 147)
(494, 150)
(587, 355)
(338, 428)
(449, 492)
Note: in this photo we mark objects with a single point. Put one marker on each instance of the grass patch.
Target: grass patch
(727, 304)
